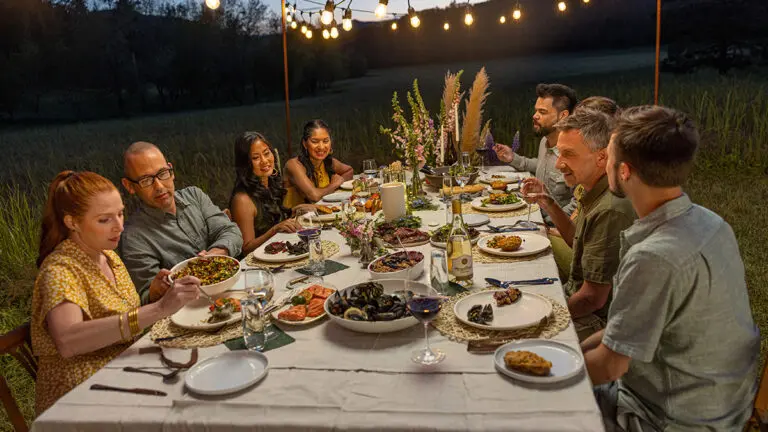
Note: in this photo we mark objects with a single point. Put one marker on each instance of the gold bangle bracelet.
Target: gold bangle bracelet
(120, 326)
(133, 322)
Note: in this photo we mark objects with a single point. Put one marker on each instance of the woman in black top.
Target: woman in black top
(256, 202)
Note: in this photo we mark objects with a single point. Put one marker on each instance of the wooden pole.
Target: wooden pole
(658, 53)
(285, 77)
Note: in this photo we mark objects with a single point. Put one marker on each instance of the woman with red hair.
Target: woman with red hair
(85, 309)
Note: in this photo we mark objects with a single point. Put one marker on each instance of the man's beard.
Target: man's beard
(543, 131)
(619, 192)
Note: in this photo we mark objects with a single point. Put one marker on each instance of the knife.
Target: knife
(141, 391)
(506, 284)
(486, 346)
(497, 230)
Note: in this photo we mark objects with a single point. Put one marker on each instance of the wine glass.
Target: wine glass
(425, 309)
(464, 169)
(530, 192)
(447, 194)
(369, 169)
(307, 220)
(259, 285)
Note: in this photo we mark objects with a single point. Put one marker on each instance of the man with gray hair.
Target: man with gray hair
(594, 235)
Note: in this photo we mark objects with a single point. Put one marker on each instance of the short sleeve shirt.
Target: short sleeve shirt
(69, 275)
(600, 219)
(681, 312)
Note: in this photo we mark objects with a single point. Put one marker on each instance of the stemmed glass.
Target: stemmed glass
(447, 194)
(369, 169)
(464, 170)
(425, 309)
(530, 191)
(259, 283)
(306, 218)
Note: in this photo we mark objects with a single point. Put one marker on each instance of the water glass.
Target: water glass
(254, 326)
(438, 271)
(316, 264)
(369, 169)
(260, 285)
(306, 218)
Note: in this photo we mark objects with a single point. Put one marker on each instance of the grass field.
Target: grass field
(730, 177)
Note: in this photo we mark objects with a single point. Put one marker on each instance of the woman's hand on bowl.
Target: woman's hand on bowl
(159, 285)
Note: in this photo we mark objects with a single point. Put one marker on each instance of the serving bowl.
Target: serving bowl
(389, 286)
(436, 180)
(410, 273)
(218, 287)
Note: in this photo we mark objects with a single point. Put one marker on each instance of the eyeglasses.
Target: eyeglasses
(149, 180)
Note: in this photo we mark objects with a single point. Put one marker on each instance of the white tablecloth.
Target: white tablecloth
(335, 379)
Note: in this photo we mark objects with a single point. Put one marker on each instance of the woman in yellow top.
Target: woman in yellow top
(315, 173)
(85, 309)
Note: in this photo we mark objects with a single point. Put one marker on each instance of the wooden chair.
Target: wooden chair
(760, 413)
(17, 343)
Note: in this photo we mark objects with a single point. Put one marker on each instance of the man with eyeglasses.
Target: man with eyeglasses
(169, 226)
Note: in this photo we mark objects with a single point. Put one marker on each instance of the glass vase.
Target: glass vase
(416, 189)
(367, 253)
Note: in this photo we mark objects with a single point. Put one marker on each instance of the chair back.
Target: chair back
(760, 413)
(17, 343)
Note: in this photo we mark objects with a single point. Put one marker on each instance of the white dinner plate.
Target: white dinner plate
(532, 244)
(566, 361)
(347, 185)
(337, 197)
(477, 204)
(475, 220)
(281, 257)
(507, 177)
(227, 373)
(195, 314)
(528, 311)
(330, 217)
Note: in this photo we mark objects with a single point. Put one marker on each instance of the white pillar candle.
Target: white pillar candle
(393, 200)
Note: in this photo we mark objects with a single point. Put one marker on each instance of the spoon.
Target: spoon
(210, 300)
(167, 377)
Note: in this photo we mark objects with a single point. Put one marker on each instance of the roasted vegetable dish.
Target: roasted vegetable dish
(500, 199)
(442, 233)
(298, 248)
(210, 270)
(505, 243)
(506, 297)
(367, 302)
(480, 314)
(222, 309)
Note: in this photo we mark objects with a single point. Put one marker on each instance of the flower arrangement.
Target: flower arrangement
(415, 140)
(359, 235)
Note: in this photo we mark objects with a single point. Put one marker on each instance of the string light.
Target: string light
(212, 4)
(468, 18)
(394, 26)
(446, 26)
(346, 21)
(304, 29)
(334, 30)
(294, 25)
(586, 1)
(562, 6)
(414, 19)
(326, 34)
(502, 19)
(327, 15)
(517, 13)
(381, 9)
(308, 34)
(288, 16)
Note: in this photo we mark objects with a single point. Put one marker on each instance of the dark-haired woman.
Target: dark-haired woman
(85, 309)
(315, 173)
(256, 202)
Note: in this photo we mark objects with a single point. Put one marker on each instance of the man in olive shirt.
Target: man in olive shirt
(594, 235)
(680, 351)
(170, 226)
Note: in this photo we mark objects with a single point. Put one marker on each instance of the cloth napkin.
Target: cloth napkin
(331, 267)
(280, 339)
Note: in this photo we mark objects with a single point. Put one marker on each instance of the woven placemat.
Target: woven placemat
(186, 338)
(478, 256)
(447, 324)
(467, 208)
(329, 249)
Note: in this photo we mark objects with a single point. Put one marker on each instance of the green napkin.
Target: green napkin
(331, 267)
(453, 288)
(279, 339)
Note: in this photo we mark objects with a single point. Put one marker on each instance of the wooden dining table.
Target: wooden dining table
(332, 378)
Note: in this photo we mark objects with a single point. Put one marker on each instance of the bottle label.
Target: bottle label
(461, 267)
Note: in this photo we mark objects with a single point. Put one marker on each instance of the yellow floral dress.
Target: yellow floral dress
(68, 274)
(294, 196)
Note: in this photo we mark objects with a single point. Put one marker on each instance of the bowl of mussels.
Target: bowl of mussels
(398, 265)
(375, 306)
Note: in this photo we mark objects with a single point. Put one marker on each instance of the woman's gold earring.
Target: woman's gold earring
(275, 172)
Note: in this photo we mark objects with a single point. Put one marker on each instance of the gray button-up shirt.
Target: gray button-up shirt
(543, 167)
(681, 312)
(154, 240)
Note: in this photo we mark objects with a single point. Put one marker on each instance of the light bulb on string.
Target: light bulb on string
(517, 14)
(303, 29)
(326, 33)
(294, 25)
(586, 1)
(562, 6)
(288, 17)
(334, 30)
(381, 9)
(346, 21)
(394, 26)
(446, 26)
(413, 18)
(212, 4)
(468, 18)
(327, 15)
(502, 19)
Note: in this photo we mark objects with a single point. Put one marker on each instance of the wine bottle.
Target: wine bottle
(450, 150)
(459, 249)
